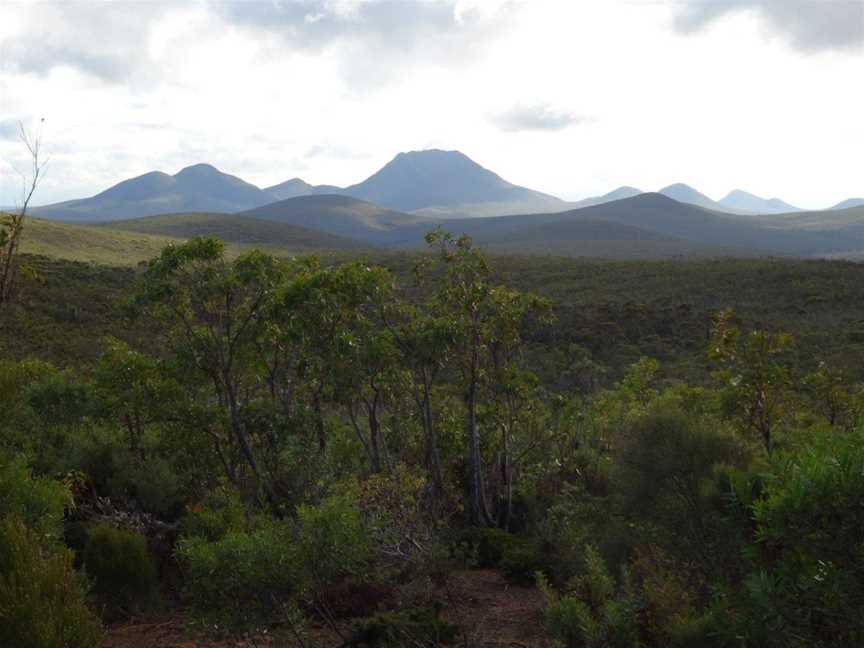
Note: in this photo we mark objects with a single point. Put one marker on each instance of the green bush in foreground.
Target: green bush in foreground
(125, 578)
(41, 599)
(246, 580)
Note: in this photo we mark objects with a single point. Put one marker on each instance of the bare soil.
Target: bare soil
(491, 613)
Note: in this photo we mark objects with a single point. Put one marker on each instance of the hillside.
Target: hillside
(443, 179)
(239, 230)
(196, 188)
(340, 215)
(849, 202)
(687, 194)
(600, 240)
(91, 244)
(739, 200)
(297, 187)
(662, 216)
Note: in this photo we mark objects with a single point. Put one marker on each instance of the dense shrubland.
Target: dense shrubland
(283, 444)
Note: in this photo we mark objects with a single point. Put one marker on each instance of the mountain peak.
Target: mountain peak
(200, 169)
(430, 178)
(741, 200)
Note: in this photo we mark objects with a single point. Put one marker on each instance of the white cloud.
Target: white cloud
(537, 117)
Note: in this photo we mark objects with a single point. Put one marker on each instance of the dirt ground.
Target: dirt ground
(491, 613)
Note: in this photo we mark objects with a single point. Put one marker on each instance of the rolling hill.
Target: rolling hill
(686, 194)
(739, 200)
(196, 188)
(90, 243)
(297, 187)
(236, 229)
(661, 216)
(849, 202)
(340, 215)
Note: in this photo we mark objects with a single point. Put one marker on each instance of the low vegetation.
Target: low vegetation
(307, 448)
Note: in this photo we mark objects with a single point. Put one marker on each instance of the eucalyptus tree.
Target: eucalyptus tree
(755, 373)
(486, 320)
(345, 353)
(214, 314)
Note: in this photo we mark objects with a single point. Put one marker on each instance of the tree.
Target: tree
(486, 321)
(216, 313)
(755, 377)
(12, 225)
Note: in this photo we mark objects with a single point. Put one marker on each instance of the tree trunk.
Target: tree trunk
(246, 449)
(433, 459)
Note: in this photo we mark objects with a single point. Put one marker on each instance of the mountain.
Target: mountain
(445, 179)
(297, 187)
(237, 230)
(687, 194)
(738, 200)
(200, 187)
(339, 215)
(618, 194)
(850, 202)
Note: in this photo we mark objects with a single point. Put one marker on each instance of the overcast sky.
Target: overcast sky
(571, 97)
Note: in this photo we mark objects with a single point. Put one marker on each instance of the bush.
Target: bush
(37, 501)
(246, 580)
(41, 598)
(591, 615)
(417, 627)
(331, 540)
(124, 574)
(489, 545)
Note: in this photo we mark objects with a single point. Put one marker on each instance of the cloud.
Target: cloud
(537, 117)
(10, 130)
(808, 25)
(117, 41)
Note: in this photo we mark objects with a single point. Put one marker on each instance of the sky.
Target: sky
(570, 97)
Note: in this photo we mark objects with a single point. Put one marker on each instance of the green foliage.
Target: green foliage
(246, 580)
(331, 540)
(807, 586)
(38, 502)
(41, 598)
(414, 627)
(755, 373)
(124, 574)
(592, 616)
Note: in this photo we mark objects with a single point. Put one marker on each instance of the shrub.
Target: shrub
(37, 501)
(124, 574)
(522, 559)
(489, 545)
(243, 581)
(220, 513)
(331, 540)
(591, 616)
(41, 598)
(416, 627)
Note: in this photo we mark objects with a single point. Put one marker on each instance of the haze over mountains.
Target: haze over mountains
(416, 191)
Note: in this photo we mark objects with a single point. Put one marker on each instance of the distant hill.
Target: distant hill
(618, 194)
(340, 215)
(237, 229)
(743, 201)
(297, 187)
(444, 179)
(849, 202)
(663, 216)
(196, 188)
(687, 194)
(90, 243)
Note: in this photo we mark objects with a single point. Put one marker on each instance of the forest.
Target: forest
(310, 451)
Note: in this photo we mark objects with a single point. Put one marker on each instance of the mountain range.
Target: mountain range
(419, 190)
(432, 183)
